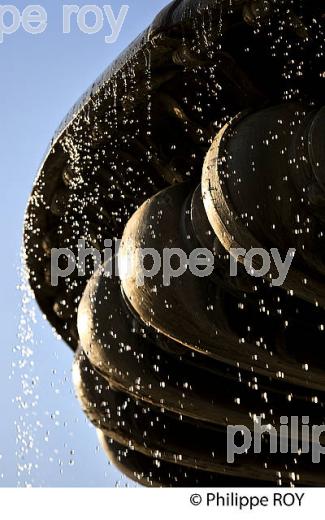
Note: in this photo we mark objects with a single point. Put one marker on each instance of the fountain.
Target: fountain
(205, 133)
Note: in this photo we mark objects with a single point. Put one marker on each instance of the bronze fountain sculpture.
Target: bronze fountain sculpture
(207, 132)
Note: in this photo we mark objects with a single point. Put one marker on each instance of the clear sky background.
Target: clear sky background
(44, 438)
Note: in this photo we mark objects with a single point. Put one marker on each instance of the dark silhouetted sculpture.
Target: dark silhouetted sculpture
(207, 133)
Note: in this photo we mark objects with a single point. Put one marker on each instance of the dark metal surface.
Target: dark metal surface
(161, 371)
(103, 164)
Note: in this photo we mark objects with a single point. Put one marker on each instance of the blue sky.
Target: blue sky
(41, 78)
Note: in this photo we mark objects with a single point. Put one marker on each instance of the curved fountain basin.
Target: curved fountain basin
(247, 80)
